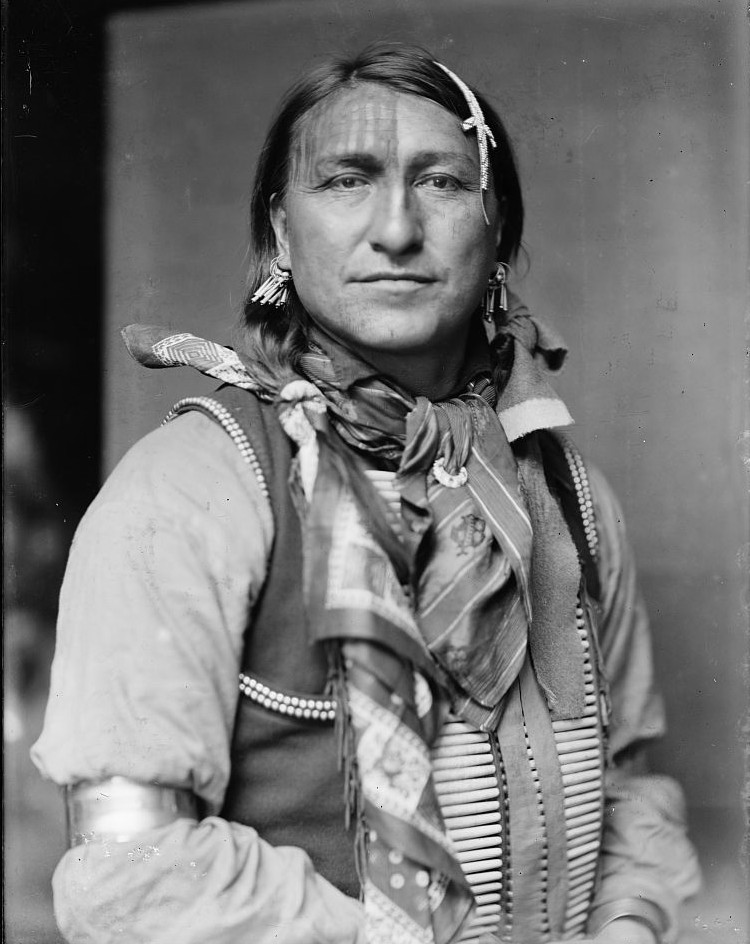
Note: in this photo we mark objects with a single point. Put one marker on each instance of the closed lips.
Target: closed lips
(395, 277)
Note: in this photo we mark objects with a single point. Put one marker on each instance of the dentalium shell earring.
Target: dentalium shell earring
(498, 281)
(274, 291)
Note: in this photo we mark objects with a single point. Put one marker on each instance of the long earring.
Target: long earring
(274, 291)
(498, 280)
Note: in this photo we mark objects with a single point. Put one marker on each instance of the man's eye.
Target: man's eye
(347, 182)
(442, 182)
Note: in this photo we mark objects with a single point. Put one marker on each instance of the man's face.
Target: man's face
(382, 224)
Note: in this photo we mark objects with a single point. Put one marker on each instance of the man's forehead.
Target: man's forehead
(374, 118)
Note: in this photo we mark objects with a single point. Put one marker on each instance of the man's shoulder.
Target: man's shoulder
(185, 462)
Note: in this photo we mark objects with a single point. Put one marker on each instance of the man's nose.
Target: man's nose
(396, 224)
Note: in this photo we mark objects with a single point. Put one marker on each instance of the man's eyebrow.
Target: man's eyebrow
(367, 161)
(362, 160)
(427, 158)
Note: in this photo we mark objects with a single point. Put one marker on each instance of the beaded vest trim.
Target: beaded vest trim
(295, 706)
(224, 418)
(583, 494)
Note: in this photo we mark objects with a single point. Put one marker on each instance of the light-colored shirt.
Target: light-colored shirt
(163, 572)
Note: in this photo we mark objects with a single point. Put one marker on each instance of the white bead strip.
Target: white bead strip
(580, 885)
(474, 843)
(472, 809)
(584, 777)
(486, 887)
(230, 425)
(486, 865)
(542, 816)
(443, 774)
(469, 785)
(479, 818)
(575, 725)
(492, 898)
(580, 910)
(295, 706)
(577, 736)
(581, 845)
(451, 753)
(583, 494)
(479, 854)
(578, 807)
(580, 756)
(469, 796)
(579, 751)
(465, 738)
(592, 762)
(579, 793)
(475, 832)
(486, 921)
(584, 827)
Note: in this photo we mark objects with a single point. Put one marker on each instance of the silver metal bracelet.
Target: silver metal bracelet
(636, 909)
(118, 809)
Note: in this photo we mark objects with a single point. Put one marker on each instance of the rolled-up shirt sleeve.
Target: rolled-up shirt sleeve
(162, 575)
(646, 854)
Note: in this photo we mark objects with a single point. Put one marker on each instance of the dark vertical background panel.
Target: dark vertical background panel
(52, 381)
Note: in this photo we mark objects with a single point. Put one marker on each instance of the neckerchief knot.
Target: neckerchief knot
(301, 413)
(440, 430)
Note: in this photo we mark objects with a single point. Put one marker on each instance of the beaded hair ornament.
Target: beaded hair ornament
(484, 132)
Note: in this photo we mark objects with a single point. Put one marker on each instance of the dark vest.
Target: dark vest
(285, 780)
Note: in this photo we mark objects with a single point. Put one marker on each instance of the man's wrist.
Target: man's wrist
(643, 920)
(627, 931)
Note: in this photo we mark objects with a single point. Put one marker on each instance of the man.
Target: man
(390, 536)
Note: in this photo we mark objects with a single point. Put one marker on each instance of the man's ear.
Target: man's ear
(277, 215)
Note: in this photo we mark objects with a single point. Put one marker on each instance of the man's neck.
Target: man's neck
(423, 375)
(435, 372)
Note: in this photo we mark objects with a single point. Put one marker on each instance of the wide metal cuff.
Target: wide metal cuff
(118, 809)
(637, 909)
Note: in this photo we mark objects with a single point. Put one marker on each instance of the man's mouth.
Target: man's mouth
(395, 278)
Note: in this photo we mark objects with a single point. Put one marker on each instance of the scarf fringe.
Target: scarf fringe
(354, 812)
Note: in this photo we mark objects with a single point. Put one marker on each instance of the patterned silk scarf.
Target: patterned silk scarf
(481, 570)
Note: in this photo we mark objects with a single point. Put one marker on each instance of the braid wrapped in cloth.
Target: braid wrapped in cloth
(414, 624)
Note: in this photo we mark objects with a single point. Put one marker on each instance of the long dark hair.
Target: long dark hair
(273, 338)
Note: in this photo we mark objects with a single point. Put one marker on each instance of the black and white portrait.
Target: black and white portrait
(424, 615)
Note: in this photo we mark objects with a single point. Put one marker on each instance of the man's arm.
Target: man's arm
(161, 578)
(196, 883)
(648, 865)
